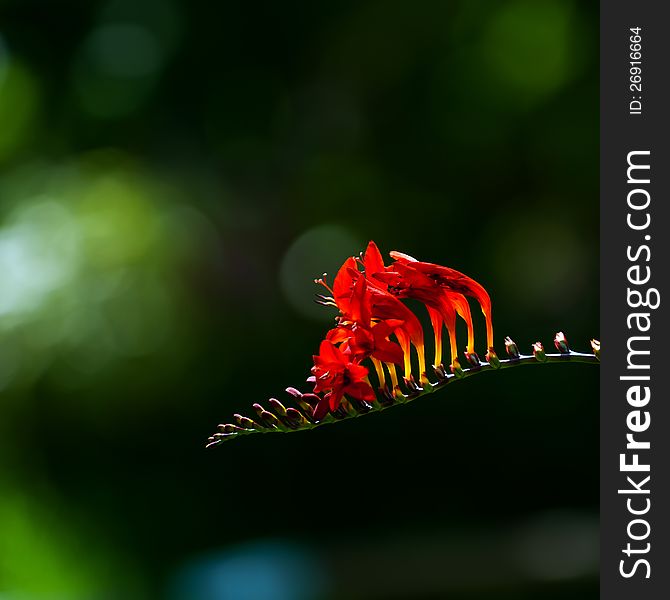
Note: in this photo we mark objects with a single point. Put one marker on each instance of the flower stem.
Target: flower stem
(353, 409)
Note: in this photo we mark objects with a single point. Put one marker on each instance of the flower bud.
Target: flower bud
(538, 352)
(267, 418)
(270, 419)
(511, 348)
(412, 386)
(229, 428)
(473, 359)
(595, 346)
(246, 422)
(278, 407)
(296, 418)
(492, 358)
(561, 343)
(456, 368)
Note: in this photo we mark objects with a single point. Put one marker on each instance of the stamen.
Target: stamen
(323, 281)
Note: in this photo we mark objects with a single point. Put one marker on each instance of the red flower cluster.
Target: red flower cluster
(368, 295)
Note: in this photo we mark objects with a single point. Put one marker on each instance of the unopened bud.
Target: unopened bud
(229, 428)
(538, 352)
(246, 422)
(456, 368)
(511, 348)
(266, 417)
(492, 358)
(412, 386)
(561, 343)
(296, 417)
(278, 407)
(440, 371)
(473, 359)
(426, 385)
(270, 419)
(306, 403)
(595, 346)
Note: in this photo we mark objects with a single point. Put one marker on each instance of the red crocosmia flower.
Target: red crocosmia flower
(387, 306)
(360, 342)
(343, 285)
(372, 260)
(374, 324)
(443, 305)
(363, 303)
(453, 281)
(442, 290)
(360, 335)
(336, 374)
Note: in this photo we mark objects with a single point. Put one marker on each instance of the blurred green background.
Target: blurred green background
(173, 175)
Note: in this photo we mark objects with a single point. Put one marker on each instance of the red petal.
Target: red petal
(372, 260)
(388, 352)
(357, 371)
(359, 306)
(343, 284)
(361, 391)
(386, 327)
(322, 408)
(329, 353)
(400, 257)
(387, 277)
(338, 334)
(334, 399)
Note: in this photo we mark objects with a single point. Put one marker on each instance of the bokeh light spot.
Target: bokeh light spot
(125, 50)
(529, 47)
(88, 256)
(549, 275)
(267, 570)
(116, 68)
(19, 101)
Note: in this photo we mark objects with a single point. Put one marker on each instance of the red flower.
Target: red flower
(452, 281)
(371, 310)
(387, 306)
(361, 342)
(336, 375)
(368, 295)
(365, 306)
(442, 291)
